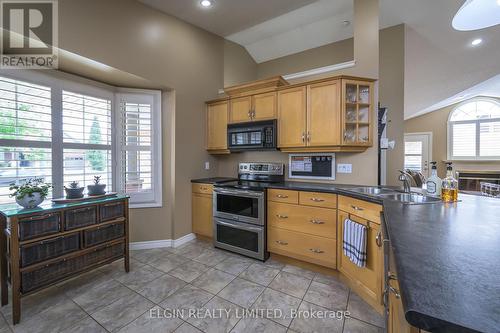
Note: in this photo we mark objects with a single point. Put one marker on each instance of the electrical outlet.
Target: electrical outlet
(344, 168)
(207, 165)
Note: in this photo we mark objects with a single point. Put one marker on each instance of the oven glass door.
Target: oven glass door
(240, 205)
(240, 238)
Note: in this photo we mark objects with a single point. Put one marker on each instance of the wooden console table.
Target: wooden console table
(45, 245)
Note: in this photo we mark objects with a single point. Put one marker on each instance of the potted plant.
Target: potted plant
(74, 191)
(31, 193)
(96, 189)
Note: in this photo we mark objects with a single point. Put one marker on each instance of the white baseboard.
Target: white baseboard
(162, 243)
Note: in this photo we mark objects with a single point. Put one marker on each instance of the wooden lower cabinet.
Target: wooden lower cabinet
(396, 322)
(367, 281)
(201, 209)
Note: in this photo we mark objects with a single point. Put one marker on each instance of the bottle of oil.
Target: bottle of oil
(449, 188)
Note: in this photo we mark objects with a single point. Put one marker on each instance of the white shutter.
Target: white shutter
(464, 139)
(139, 141)
(489, 137)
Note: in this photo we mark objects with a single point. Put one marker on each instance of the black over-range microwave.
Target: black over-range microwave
(257, 135)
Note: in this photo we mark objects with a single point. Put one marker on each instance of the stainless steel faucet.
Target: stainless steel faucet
(405, 178)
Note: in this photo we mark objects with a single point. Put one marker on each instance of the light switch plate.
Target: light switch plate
(344, 168)
(207, 165)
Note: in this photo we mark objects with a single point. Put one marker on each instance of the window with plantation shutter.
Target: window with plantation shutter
(25, 133)
(474, 131)
(139, 138)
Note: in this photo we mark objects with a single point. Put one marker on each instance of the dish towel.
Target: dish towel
(355, 242)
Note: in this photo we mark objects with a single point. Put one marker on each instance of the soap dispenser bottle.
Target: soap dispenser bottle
(434, 182)
(449, 190)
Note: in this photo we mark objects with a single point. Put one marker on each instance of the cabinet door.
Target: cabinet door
(240, 109)
(323, 114)
(292, 117)
(368, 279)
(397, 322)
(217, 126)
(265, 106)
(202, 214)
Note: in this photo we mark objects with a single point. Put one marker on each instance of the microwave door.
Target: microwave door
(247, 139)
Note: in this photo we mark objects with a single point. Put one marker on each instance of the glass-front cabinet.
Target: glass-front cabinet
(357, 111)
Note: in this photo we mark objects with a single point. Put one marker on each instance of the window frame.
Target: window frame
(58, 82)
(477, 122)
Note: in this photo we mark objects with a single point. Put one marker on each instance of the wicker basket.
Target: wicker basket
(81, 217)
(39, 225)
(47, 249)
(103, 234)
(111, 211)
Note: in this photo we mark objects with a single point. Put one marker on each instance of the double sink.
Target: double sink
(404, 197)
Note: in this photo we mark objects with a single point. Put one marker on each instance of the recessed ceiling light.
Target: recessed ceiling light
(206, 3)
(498, 2)
(476, 42)
(347, 23)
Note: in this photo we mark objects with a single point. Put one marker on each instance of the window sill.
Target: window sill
(145, 205)
(473, 161)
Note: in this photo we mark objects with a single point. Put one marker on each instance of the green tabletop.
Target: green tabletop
(13, 209)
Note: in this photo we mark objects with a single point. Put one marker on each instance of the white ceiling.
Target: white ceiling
(226, 17)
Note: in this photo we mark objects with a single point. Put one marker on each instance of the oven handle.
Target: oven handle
(238, 226)
(240, 192)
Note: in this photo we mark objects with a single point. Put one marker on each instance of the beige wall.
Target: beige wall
(366, 47)
(436, 122)
(239, 66)
(168, 52)
(391, 94)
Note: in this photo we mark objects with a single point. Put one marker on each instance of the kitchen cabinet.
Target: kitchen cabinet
(217, 119)
(303, 225)
(323, 114)
(292, 117)
(367, 281)
(253, 108)
(396, 321)
(201, 207)
(357, 113)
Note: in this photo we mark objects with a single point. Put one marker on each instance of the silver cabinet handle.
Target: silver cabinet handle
(303, 137)
(395, 292)
(378, 239)
(317, 200)
(357, 208)
(391, 276)
(281, 196)
(308, 136)
(281, 216)
(316, 251)
(316, 221)
(281, 242)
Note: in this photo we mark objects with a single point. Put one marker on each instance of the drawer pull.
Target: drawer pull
(395, 292)
(316, 251)
(317, 200)
(281, 242)
(281, 216)
(82, 209)
(356, 208)
(40, 217)
(317, 222)
(281, 196)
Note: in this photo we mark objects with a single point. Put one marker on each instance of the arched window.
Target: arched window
(474, 131)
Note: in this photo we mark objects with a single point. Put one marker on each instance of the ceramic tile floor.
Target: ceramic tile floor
(195, 279)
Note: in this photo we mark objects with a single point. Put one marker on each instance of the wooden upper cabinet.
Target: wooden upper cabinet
(217, 118)
(323, 114)
(240, 110)
(264, 106)
(292, 117)
(357, 113)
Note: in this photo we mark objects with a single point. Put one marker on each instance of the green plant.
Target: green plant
(97, 179)
(96, 157)
(32, 185)
(74, 184)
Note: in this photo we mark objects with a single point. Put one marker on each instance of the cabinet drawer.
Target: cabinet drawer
(50, 248)
(202, 188)
(103, 234)
(111, 211)
(364, 209)
(283, 196)
(309, 220)
(39, 225)
(80, 217)
(309, 248)
(316, 199)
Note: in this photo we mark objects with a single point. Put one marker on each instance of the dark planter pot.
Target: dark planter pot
(74, 193)
(96, 189)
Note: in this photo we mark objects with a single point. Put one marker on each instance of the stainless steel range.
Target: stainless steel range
(239, 209)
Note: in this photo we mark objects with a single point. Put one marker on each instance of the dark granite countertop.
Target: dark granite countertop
(447, 258)
(213, 180)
